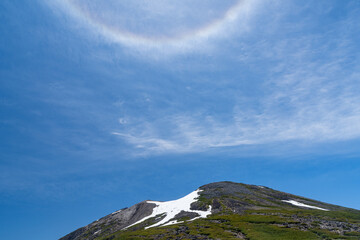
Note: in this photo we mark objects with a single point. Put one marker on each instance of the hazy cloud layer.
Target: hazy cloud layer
(308, 92)
(247, 72)
(160, 27)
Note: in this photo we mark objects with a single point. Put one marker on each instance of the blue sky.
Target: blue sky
(104, 104)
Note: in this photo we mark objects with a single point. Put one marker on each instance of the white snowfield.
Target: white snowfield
(172, 208)
(299, 204)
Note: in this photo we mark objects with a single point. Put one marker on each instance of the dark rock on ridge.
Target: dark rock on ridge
(113, 222)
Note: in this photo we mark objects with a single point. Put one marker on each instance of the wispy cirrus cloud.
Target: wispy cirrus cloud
(308, 93)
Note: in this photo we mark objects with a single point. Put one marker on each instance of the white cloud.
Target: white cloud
(122, 121)
(310, 87)
(310, 94)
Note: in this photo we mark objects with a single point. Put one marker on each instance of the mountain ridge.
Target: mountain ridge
(236, 208)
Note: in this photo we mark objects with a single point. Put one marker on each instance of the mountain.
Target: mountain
(227, 210)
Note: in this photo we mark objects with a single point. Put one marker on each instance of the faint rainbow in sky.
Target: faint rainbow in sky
(241, 9)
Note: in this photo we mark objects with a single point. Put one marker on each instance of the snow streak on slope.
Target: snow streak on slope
(293, 202)
(172, 208)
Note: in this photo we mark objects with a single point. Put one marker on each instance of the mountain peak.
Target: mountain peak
(224, 202)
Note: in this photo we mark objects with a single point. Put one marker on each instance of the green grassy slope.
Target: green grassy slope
(270, 224)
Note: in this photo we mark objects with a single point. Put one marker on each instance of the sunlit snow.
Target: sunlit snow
(172, 208)
(293, 202)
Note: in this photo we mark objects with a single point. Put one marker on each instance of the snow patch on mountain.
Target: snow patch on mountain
(299, 204)
(172, 208)
(116, 212)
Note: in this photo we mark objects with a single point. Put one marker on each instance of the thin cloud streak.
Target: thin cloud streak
(310, 96)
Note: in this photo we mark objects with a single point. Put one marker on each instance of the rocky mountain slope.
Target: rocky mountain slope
(227, 210)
